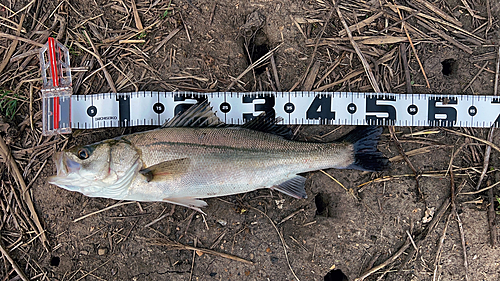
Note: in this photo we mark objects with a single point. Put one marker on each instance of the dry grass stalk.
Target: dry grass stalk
(311, 77)
(102, 210)
(494, 146)
(439, 12)
(177, 245)
(366, 66)
(407, 244)
(497, 72)
(486, 162)
(253, 65)
(446, 37)
(6, 255)
(403, 24)
(13, 37)
(313, 56)
(13, 46)
(5, 152)
(475, 76)
(282, 241)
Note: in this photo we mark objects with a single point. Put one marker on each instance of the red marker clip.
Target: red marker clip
(56, 90)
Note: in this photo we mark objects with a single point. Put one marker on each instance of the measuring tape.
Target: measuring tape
(63, 111)
(335, 108)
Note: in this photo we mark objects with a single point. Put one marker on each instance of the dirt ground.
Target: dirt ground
(351, 229)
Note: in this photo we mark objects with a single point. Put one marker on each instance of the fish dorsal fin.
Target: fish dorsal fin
(267, 123)
(166, 170)
(198, 115)
(293, 187)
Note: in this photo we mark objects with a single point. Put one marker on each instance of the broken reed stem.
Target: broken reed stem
(168, 243)
(486, 162)
(366, 65)
(464, 247)
(407, 244)
(13, 37)
(439, 248)
(412, 46)
(5, 151)
(16, 267)
(407, 159)
(404, 61)
(491, 218)
(454, 211)
(316, 44)
(475, 76)
(253, 65)
(282, 241)
(99, 60)
(102, 210)
(497, 72)
(13, 46)
(473, 137)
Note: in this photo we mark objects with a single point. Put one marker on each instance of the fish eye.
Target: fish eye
(83, 153)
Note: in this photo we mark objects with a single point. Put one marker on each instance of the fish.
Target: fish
(195, 156)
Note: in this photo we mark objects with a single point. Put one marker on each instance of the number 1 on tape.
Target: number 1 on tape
(56, 90)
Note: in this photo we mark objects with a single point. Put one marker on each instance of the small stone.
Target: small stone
(222, 222)
(102, 251)
(84, 253)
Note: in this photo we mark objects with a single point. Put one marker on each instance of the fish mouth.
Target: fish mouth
(64, 166)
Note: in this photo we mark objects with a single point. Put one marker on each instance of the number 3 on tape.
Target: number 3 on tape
(56, 89)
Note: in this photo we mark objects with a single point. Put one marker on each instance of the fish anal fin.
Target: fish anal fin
(166, 170)
(293, 187)
(189, 202)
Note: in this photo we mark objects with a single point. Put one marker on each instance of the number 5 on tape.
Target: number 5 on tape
(56, 90)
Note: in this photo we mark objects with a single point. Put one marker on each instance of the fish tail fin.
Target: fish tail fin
(366, 155)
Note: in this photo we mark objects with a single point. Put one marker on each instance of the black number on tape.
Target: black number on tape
(225, 107)
(352, 108)
(412, 109)
(92, 111)
(289, 107)
(267, 106)
(472, 110)
(373, 109)
(497, 121)
(321, 108)
(450, 112)
(158, 108)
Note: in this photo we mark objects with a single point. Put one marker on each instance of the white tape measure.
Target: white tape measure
(336, 108)
(62, 111)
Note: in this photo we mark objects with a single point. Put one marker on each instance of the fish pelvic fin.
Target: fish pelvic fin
(188, 202)
(166, 170)
(293, 187)
(366, 155)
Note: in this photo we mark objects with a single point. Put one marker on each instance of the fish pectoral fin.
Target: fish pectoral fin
(166, 170)
(189, 202)
(293, 187)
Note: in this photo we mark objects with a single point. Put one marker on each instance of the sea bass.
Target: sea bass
(194, 156)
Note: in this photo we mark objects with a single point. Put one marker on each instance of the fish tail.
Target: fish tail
(366, 155)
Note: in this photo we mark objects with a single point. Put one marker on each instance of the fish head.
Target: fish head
(103, 169)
